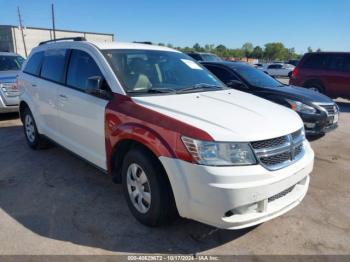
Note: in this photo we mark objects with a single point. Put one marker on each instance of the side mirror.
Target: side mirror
(95, 86)
(235, 84)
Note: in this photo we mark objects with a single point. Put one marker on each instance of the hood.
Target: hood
(8, 76)
(227, 115)
(301, 94)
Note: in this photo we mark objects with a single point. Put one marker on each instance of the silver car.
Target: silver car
(10, 64)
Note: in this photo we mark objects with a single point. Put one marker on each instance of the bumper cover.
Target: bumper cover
(7, 108)
(209, 194)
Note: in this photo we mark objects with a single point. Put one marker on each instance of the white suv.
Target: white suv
(178, 140)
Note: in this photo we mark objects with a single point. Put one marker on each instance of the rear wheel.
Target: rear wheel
(147, 189)
(314, 87)
(34, 139)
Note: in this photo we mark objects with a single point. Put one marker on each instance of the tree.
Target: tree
(258, 52)
(309, 49)
(198, 48)
(318, 50)
(274, 51)
(247, 49)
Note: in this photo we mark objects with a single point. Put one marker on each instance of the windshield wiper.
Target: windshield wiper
(152, 91)
(198, 88)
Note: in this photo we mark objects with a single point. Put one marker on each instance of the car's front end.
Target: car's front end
(235, 197)
(10, 64)
(9, 95)
(318, 117)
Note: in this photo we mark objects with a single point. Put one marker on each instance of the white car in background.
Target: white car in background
(278, 69)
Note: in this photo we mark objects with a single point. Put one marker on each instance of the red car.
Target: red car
(325, 72)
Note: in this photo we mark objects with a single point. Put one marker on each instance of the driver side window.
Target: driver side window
(223, 74)
(81, 67)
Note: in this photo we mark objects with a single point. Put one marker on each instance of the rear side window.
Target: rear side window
(34, 64)
(53, 65)
(340, 62)
(316, 61)
(81, 67)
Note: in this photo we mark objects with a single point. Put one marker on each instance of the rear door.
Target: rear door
(82, 115)
(51, 78)
(338, 76)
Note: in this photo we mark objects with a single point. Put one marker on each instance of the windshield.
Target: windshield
(10, 62)
(147, 71)
(211, 58)
(257, 77)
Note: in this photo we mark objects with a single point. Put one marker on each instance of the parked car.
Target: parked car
(324, 72)
(293, 62)
(174, 135)
(204, 56)
(10, 64)
(259, 66)
(319, 113)
(278, 69)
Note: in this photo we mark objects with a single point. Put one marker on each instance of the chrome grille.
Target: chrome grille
(280, 152)
(269, 143)
(276, 159)
(281, 194)
(331, 109)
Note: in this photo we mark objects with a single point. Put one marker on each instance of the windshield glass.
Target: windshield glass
(142, 71)
(8, 62)
(257, 77)
(211, 58)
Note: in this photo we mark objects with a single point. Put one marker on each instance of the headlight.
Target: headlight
(219, 153)
(300, 107)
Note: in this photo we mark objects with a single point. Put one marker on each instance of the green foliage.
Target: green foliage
(270, 52)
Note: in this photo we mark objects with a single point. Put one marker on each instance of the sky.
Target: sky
(321, 24)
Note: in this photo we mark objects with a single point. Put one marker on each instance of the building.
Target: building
(11, 37)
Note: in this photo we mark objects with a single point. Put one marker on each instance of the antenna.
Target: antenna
(53, 21)
(21, 28)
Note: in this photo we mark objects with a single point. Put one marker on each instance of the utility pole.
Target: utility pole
(53, 22)
(21, 28)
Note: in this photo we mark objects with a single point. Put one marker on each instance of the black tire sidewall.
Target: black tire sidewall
(35, 143)
(159, 197)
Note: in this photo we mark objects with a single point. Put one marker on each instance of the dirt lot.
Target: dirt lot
(54, 203)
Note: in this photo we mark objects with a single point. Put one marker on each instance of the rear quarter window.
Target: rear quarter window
(34, 64)
(316, 61)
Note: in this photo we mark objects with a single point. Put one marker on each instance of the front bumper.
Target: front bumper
(8, 108)
(237, 197)
(319, 125)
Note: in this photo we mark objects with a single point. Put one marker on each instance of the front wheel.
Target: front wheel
(147, 189)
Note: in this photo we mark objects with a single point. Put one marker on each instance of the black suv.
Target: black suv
(319, 113)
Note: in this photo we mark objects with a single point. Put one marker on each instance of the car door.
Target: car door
(338, 75)
(226, 75)
(44, 91)
(82, 115)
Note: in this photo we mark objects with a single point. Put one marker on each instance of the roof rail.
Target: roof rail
(143, 42)
(78, 38)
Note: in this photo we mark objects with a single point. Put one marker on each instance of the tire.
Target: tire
(34, 139)
(315, 87)
(147, 189)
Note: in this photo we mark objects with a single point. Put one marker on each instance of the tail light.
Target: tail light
(295, 72)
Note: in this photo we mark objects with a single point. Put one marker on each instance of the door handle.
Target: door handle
(63, 97)
(33, 85)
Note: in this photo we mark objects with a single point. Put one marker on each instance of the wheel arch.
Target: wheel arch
(316, 82)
